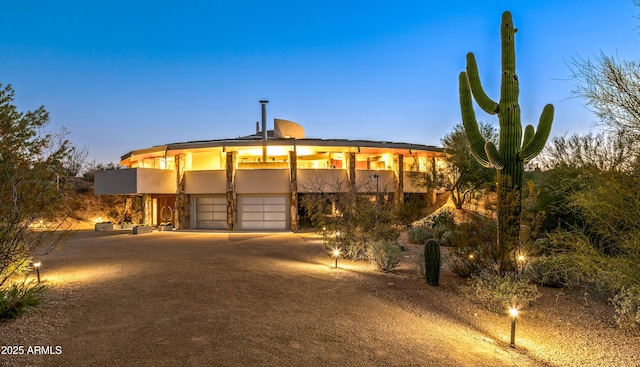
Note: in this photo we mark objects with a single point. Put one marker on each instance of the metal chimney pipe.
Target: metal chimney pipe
(264, 118)
(257, 127)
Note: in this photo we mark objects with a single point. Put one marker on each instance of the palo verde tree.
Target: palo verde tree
(463, 174)
(514, 149)
(35, 197)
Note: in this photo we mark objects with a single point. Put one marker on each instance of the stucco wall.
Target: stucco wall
(134, 181)
(205, 182)
(409, 184)
(322, 180)
(386, 181)
(262, 181)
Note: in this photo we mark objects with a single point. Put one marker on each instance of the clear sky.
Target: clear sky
(125, 75)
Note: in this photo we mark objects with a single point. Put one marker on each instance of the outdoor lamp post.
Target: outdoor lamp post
(376, 177)
(336, 254)
(37, 266)
(514, 312)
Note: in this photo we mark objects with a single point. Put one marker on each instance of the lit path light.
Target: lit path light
(37, 266)
(514, 313)
(336, 254)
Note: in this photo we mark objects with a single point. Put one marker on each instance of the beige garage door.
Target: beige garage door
(211, 212)
(263, 212)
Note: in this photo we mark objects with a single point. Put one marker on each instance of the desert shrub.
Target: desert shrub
(355, 250)
(551, 271)
(351, 221)
(474, 247)
(463, 266)
(446, 238)
(443, 219)
(498, 293)
(412, 209)
(627, 306)
(384, 254)
(433, 226)
(18, 297)
(418, 264)
(420, 234)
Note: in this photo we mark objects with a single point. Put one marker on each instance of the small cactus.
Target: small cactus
(432, 261)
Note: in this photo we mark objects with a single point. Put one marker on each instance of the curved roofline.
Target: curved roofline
(249, 141)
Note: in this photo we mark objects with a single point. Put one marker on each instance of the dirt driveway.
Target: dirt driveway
(207, 299)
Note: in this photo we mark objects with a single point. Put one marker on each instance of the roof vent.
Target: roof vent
(264, 118)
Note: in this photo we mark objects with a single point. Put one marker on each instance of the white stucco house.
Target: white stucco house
(255, 182)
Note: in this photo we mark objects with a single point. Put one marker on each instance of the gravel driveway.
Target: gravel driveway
(235, 299)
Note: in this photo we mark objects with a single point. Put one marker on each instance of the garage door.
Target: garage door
(211, 212)
(263, 212)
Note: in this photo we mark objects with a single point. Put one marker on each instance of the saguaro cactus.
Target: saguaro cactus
(432, 261)
(514, 150)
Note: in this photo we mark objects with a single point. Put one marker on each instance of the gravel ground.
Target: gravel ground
(234, 299)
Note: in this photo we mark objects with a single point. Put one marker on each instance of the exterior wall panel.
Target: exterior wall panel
(156, 181)
(135, 181)
(386, 181)
(322, 180)
(410, 185)
(262, 181)
(205, 182)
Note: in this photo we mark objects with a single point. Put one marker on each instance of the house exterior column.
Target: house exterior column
(147, 207)
(183, 207)
(351, 170)
(399, 173)
(232, 205)
(293, 200)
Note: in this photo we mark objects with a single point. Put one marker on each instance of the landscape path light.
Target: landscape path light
(37, 266)
(514, 313)
(336, 254)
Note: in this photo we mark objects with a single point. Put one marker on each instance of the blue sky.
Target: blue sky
(124, 75)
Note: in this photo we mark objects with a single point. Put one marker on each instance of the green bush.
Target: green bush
(17, 298)
(437, 225)
(627, 306)
(420, 234)
(498, 293)
(463, 266)
(384, 254)
(551, 271)
(474, 247)
(443, 218)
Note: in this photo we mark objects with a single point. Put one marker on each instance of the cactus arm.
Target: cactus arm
(476, 140)
(494, 156)
(535, 146)
(487, 104)
(529, 132)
